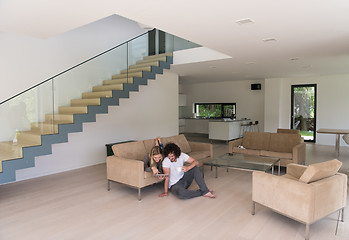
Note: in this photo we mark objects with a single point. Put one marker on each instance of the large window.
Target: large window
(215, 110)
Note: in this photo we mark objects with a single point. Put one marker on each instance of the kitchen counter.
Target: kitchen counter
(229, 120)
(226, 130)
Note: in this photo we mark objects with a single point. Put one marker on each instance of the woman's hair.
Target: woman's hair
(172, 148)
(156, 150)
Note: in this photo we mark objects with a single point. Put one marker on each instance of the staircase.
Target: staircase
(55, 128)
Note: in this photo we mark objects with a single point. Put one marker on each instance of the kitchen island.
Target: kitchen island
(225, 129)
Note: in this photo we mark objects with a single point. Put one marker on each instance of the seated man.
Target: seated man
(180, 177)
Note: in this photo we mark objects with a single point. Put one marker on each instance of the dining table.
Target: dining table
(338, 133)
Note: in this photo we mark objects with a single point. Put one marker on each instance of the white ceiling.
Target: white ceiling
(315, 32)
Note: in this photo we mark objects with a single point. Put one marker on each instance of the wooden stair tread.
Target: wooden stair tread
(108, 87)
(72, 110)
(63, 122)
(85, 102)
(125, 75)
(138, 69)
(59, 118)
(169, 54)
(145, 64)
(4, 155)
(118, 81)
(44, 127)
(97, 94)
(20, 144)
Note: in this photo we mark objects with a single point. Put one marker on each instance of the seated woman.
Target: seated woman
(153, 160)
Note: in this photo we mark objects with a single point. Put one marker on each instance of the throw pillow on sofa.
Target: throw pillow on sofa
(321, 170)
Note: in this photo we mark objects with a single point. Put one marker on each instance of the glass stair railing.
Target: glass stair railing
(33, 120)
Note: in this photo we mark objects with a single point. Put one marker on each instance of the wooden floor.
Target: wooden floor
(76, 205)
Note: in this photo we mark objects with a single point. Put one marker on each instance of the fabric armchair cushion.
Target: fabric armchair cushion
(295, 170)
(284, 155)
(283, 142)
(246, 151)
(131, 150)
(319, 171)
(293, 131)
(256, 140)
(149, 144)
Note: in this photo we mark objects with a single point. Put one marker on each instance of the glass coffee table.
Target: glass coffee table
(244, 162)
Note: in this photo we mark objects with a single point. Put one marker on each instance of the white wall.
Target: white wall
(27, 61)
(272, 101)
(249, 103)
(332, 109)
(142, 116)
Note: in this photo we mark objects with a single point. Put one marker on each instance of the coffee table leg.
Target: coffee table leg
(279, 168)
(272, 170)
(216, 172)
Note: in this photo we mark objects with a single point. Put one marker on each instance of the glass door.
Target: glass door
(303, 110)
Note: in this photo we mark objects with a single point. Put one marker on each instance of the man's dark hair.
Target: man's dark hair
(172, 148)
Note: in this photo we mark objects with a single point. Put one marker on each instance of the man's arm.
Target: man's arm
(192, 162)
(167, 179)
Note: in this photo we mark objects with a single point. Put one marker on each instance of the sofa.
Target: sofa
(126, 165)
(289, 147)
(285, 130)
(305, 193)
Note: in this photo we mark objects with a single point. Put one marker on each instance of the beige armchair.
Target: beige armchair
(305, 194)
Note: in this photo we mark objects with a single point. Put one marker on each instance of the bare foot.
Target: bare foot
(210, 195)
(211, 190)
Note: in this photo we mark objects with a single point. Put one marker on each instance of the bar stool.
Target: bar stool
(254, 127)
(245, 127)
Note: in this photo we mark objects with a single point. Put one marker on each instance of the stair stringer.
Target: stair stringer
(29, 153)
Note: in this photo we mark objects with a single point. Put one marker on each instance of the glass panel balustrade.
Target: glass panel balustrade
(137, 49)
(73, 88)
(38, 111)
(23, 119)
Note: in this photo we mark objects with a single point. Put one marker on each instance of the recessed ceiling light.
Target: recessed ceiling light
(244, 21)
(269, 40)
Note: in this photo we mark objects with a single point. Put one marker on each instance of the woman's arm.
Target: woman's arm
(155, 170)
(146, 161)
(167, 180)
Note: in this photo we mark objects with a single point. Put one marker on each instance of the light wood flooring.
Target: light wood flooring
(76, 205)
